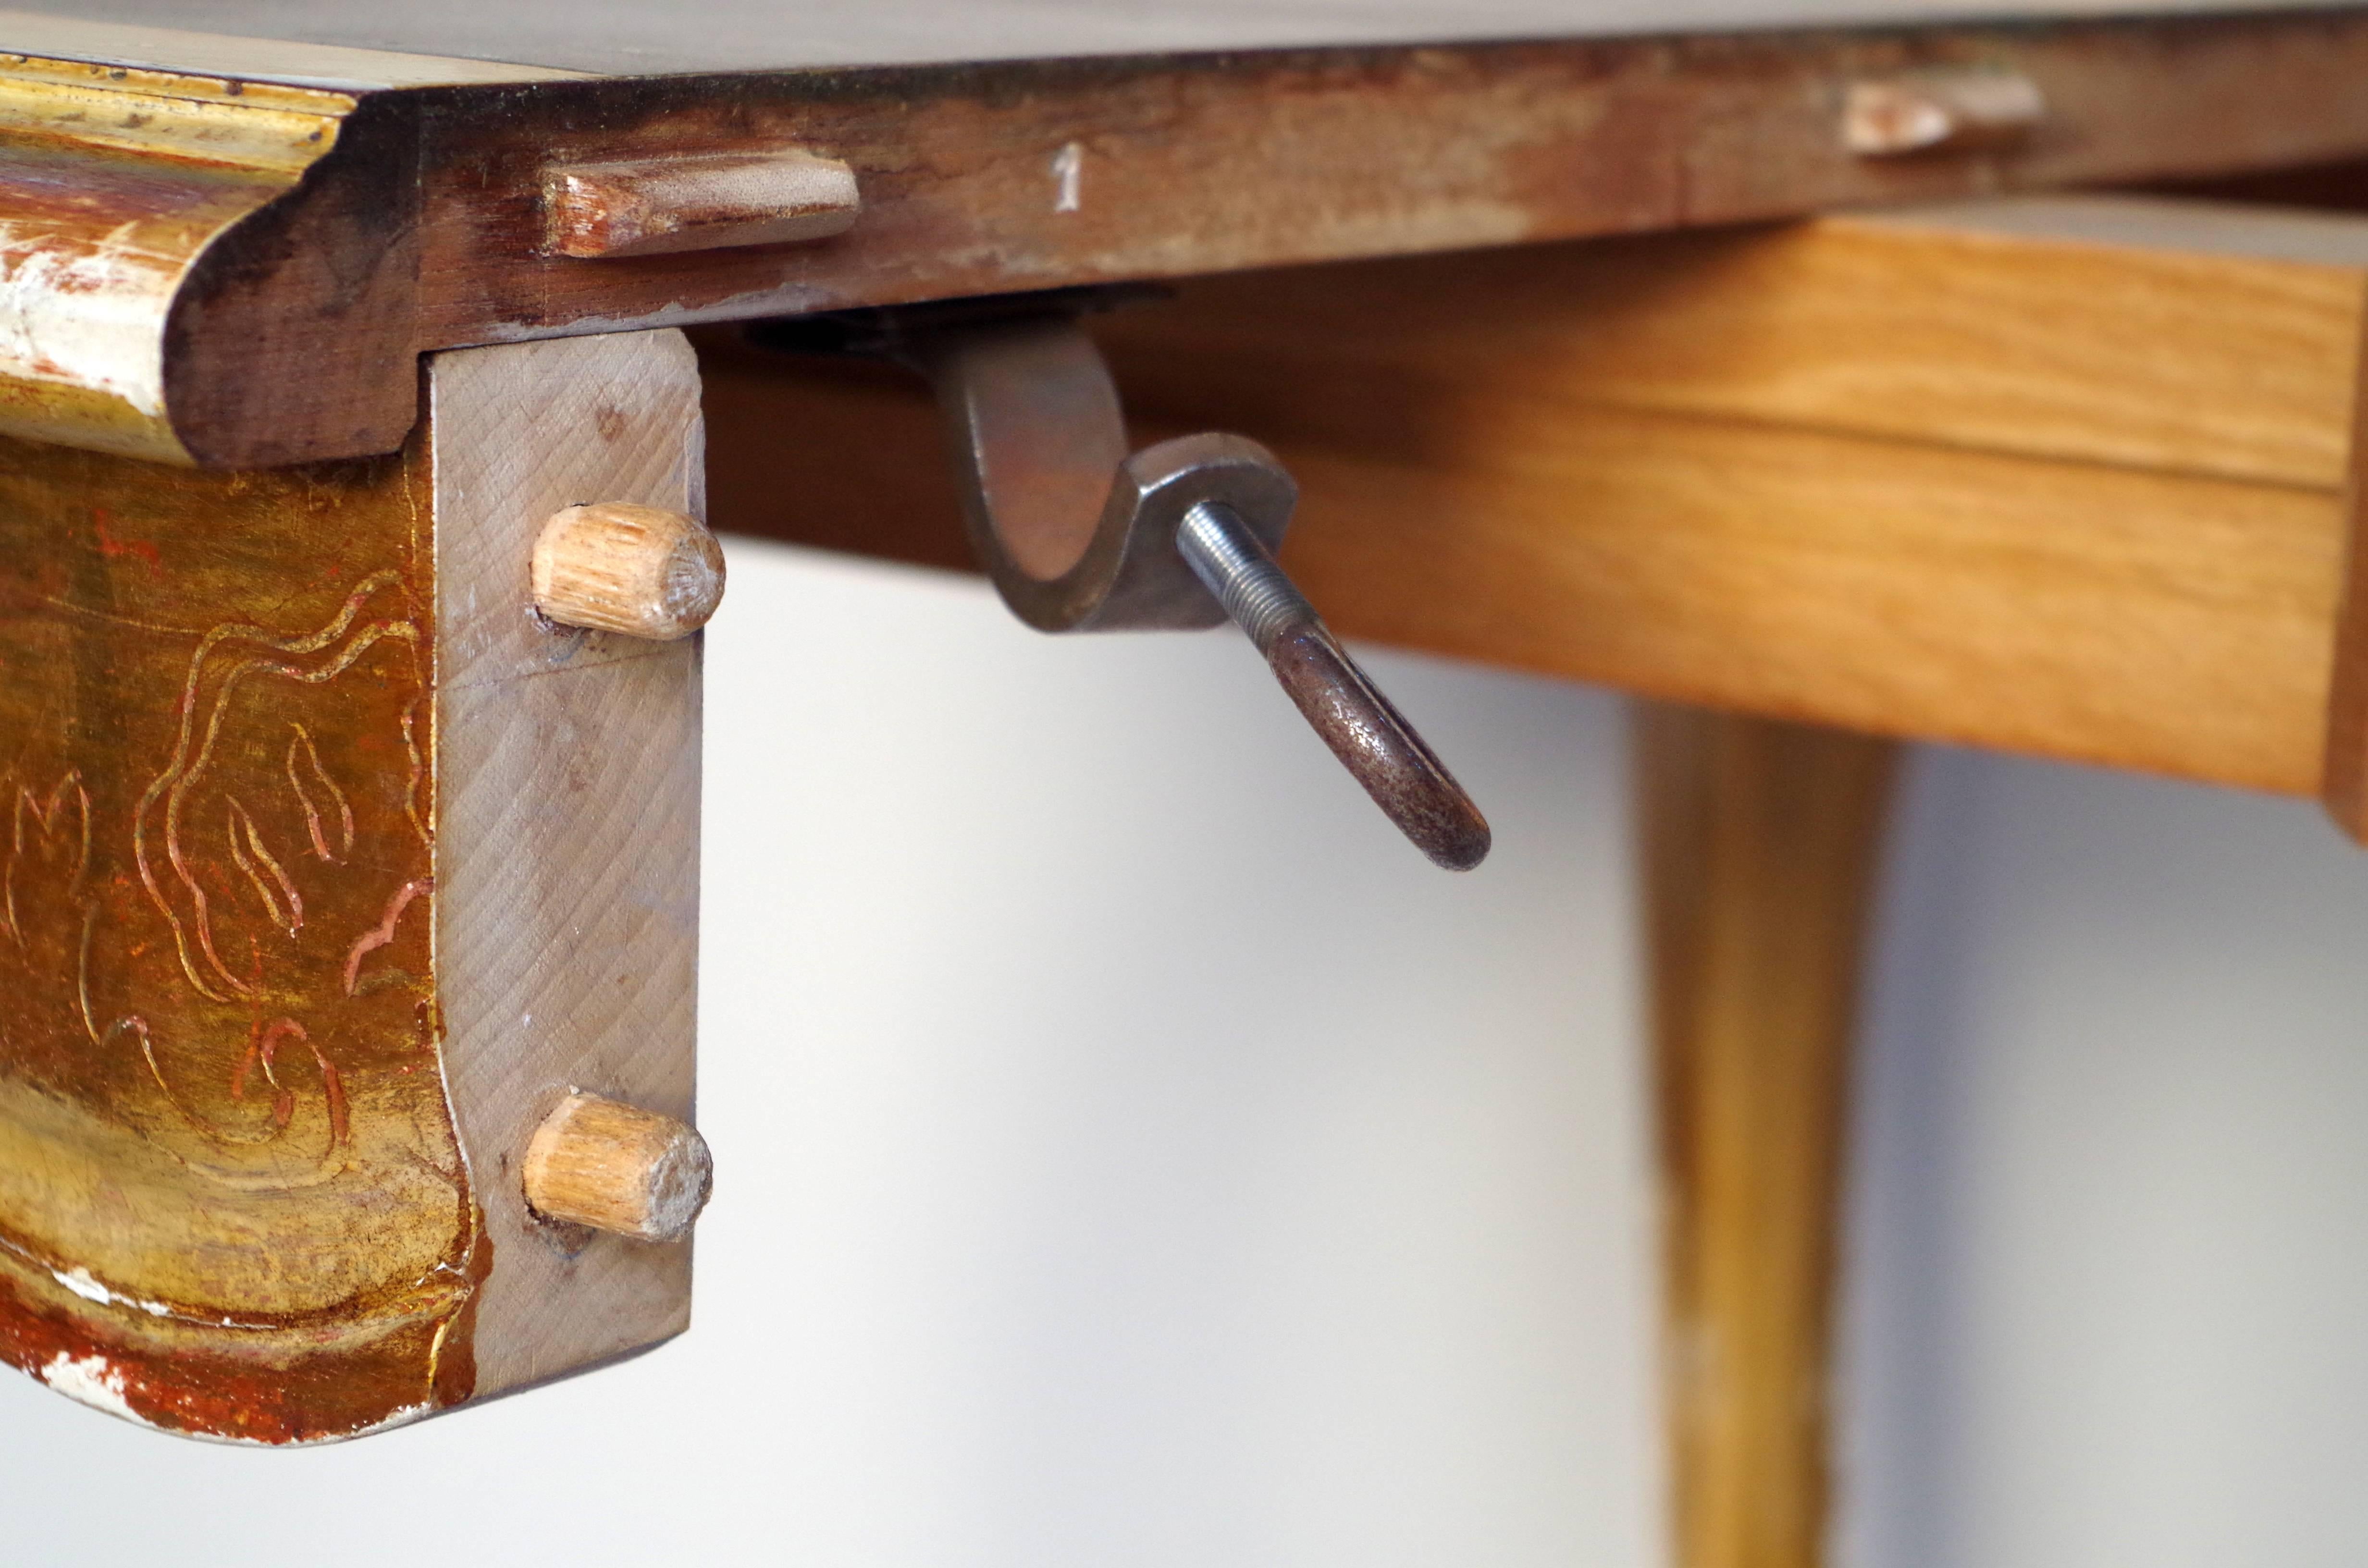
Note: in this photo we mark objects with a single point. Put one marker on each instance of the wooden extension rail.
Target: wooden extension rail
(2063, 475)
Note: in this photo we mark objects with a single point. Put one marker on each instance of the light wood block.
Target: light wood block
(569, 765)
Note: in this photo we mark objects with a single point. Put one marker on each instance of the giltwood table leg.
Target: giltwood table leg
(1761, 839)
(329, 871)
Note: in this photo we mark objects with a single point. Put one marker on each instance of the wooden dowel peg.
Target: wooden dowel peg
(618, 1168)
(1939, 110)
(656, 206)
(641, 571)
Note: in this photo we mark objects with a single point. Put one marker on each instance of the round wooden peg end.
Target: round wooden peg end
(641, 571)
(619, 1168)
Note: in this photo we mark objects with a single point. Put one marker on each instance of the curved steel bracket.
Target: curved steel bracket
(1080, 535)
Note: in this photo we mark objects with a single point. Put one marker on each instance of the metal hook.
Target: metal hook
(1080, 535)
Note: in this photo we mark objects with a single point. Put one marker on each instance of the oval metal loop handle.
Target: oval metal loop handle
(1362, 727)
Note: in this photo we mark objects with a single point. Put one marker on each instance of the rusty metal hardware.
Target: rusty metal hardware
(1080, 535)
(1363, 728)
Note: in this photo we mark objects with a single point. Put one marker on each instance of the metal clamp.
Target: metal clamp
(1080, 535)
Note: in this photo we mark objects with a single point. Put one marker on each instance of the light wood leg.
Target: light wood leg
(1760, 842)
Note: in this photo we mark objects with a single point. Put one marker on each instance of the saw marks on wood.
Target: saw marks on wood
(570, 767)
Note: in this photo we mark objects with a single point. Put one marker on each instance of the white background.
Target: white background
(1130, 1155)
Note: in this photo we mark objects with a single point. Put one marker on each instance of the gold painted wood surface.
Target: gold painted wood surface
(249, 724)
(1761, 845)
(113, 184)
(424, 226)
(2065, 476)
(231, 1198)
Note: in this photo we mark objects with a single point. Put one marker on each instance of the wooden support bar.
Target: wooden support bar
(334, 868)
(2061, 475)
(1761, 844)
(2058, 475)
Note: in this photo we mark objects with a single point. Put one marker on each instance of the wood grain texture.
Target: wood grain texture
(567, 901)
(232, 1201)
(2124, 618)
(2178, 624)
(640, 571)
(1762, 843)
(2174, 336)
(425, 227)
(659, 206)
(2061, 476)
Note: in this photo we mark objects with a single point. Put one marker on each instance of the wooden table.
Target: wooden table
(335, 868)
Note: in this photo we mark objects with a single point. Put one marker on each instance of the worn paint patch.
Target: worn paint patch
(90, 1381)
(85, 312)
(80, 1282)
(113, 184)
